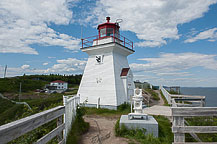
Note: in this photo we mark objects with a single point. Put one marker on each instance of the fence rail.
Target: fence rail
(13, 130)
(172, 98)
(179, 128)
(179, 112)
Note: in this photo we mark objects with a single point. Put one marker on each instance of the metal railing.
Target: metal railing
(88, 42)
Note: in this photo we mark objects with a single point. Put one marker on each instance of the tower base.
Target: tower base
(151, 125)
(102, 106)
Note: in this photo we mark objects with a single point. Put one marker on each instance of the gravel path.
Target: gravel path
(161, 101)
(101, 131)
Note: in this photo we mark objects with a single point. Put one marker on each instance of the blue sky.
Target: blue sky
(175, 40)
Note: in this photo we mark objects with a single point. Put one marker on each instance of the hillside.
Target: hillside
(33, 82)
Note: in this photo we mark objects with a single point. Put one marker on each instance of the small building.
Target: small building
(57, 86)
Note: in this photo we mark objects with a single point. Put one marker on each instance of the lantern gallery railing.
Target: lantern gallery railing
(88, 42)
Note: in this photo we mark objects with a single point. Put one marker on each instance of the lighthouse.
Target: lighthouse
(107, 80)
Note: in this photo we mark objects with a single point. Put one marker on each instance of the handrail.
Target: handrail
(13, 130)
(179, 128)
(123, 40)
(171, 98)
(20, 127)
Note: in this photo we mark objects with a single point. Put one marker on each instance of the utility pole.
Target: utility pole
(5, 71)
(20, 91)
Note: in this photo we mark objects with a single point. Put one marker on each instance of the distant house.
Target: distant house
(57, 86)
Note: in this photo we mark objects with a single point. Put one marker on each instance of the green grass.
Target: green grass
(78, 128)
(173, 92)
(122, 109)
(164, 99)
(165, 133)
(10, 112)
(14, 112)
(5, 104)
(153, 94)
(202, 121)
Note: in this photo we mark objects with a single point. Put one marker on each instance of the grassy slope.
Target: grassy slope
(11, 112)
(79, 127)
(164, 99)
(153, 94)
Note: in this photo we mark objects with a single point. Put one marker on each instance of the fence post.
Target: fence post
(178, 121)
(64, 117)
(98, 103)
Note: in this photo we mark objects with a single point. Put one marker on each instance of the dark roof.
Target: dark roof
(58, 81)
(124, 71)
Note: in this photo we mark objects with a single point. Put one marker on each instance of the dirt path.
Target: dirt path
(101, 131)
(161, 101)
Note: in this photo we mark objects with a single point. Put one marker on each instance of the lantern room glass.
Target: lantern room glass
(109, 32)
(103, 32)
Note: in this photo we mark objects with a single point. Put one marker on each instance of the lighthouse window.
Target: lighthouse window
(109, 32)
(102, 32)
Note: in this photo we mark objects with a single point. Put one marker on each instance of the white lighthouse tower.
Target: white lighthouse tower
(107, 79)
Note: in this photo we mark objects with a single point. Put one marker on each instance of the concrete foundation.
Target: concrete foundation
(101, 106)
(151, 125)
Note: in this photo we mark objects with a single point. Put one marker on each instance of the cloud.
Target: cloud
(63, 66)
(23, 23)
(25, 66)
(51, 57)
(210, 35)
(45, 64)
(173, 62)
(173, 74)
(67, 66)
(153, 22)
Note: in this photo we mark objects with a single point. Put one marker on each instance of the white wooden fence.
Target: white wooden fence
(179, 112)
(13, 130)
(179, 128)
(166, 94)
(171, 98)
(70, 102)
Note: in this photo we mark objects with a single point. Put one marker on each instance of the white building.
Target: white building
(58, 86)
(107, 77)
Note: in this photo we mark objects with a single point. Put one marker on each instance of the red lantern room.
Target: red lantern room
(108, 29)
(107, 32)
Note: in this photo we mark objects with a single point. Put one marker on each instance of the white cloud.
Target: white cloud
(63, 66)
(69, 65)
(210, 35)
(153, 21)
(173, 74)
(24, 23)
(51, 57)
(173, 62)
(25, 66)
(45, 64)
